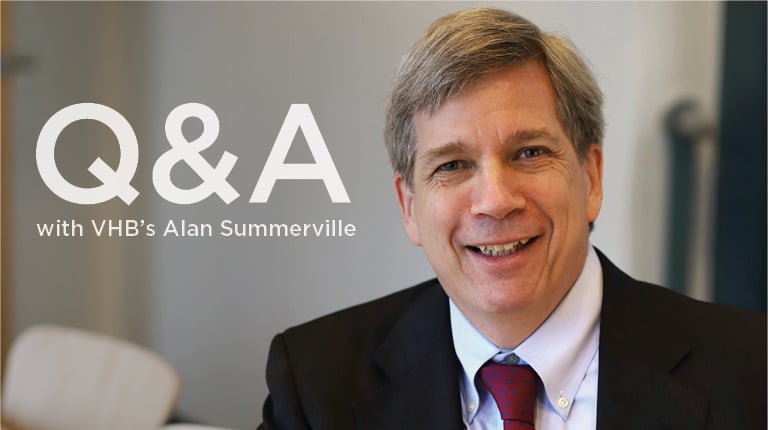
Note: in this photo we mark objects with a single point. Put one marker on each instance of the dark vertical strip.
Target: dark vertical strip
(740, 235)
(682, 176)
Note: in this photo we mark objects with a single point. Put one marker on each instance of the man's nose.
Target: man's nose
(497, 192)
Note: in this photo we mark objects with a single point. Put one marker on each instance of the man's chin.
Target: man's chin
(500, 297)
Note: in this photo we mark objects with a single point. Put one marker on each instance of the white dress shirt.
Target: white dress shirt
(563, 351)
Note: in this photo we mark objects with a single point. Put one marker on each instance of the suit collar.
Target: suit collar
(639, 352)
(421, 390)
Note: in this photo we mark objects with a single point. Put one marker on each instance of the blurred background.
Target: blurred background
(684, 176)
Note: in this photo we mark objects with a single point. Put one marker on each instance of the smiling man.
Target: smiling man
(501, 202)
(494, 130)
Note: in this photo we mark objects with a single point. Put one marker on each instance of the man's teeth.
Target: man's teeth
(501, 250)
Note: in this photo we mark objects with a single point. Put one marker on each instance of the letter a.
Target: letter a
(299, 116)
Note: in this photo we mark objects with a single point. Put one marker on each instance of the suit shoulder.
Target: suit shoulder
(365, 322)
(699, 315)
(650, 310)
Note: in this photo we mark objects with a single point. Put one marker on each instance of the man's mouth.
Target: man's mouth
(501, 250)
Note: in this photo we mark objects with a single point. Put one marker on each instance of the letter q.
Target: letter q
(115, 183)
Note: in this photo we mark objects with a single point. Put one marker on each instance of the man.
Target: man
(494, 131)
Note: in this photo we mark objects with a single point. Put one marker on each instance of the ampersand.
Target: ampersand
(214, 178)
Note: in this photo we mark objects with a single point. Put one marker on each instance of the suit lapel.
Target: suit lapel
(418, 360)
(639, 352)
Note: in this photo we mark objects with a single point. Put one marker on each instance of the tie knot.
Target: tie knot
(514, 389)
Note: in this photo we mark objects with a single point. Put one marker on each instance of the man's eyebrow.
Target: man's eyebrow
(532, 134)
(429, 157)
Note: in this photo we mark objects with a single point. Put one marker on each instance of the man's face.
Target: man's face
(500, 201)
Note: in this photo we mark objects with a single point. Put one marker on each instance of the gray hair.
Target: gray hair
(460, 48)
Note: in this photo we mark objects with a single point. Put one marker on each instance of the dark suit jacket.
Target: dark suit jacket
(666, 362)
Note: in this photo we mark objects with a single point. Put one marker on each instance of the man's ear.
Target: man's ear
(593, 166)
(406, 201)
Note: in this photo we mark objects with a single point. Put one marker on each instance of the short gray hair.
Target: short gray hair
(460, 48)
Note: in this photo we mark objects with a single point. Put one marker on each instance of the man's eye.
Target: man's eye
(451, 165)
(531, 152)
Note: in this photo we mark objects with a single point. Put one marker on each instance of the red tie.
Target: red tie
(514, 389)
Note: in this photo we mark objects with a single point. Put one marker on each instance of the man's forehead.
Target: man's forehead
(512, 105)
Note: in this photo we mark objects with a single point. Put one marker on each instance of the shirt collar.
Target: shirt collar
(560, 350)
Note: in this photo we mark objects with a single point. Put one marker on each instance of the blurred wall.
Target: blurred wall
(211, 304)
